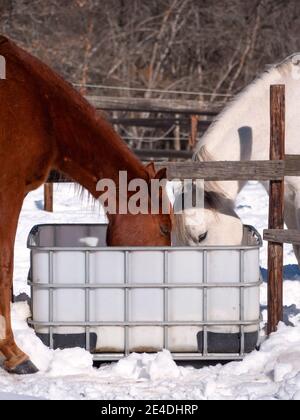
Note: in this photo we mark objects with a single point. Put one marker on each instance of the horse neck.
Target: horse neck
(86, 147)
(89, 150)
(242, 130)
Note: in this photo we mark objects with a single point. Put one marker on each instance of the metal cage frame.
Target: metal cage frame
(166, 286)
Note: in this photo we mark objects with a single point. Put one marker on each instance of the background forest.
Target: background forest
(206, 46)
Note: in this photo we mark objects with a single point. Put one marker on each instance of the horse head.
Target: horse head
(213, 224)
(148, 225)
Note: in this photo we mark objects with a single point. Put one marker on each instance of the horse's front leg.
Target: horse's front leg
(15, 360)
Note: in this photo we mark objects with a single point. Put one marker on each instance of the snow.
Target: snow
(272, 373)
(147, 366)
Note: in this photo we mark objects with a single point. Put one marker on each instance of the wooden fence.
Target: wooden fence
(176, 123)
(273, 170)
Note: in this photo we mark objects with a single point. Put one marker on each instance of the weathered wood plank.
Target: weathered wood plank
(152, 105)
(290, 236)
(162, 153)
(276, 209)
(213, 171)
(227, 170)
(158, 122)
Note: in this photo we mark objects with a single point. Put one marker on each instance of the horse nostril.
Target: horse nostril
(165, 230)
(202, 237)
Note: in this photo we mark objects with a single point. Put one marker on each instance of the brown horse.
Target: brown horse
(45, 124)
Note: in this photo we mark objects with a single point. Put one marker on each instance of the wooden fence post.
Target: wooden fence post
(48, 197)
(276, 210)
(177, 144)
(194, 131)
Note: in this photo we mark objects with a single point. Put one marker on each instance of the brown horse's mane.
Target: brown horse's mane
(71, 116)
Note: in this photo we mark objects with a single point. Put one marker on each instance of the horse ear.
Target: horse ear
(150, 168)
(161, 174)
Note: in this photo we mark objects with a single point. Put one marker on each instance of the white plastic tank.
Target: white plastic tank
(170, 309)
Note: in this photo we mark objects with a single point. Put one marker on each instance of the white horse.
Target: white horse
(216, 223)
(242, 132)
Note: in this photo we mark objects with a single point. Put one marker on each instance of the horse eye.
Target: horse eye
(165, 230)
(202, 237)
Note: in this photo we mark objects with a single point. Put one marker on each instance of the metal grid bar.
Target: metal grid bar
(30, 276)
(126, 304)
(205, 309)
(242, 302)
(87, 301)
(110, 357)
(51, 309)
(141, 249)
(145, 323)
(145, 285)
(166, 300)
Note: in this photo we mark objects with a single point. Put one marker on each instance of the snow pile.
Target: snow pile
(26, 339)
(275, 367)
(70, 362)
(55, 363)
(271, 373)
(147, 366)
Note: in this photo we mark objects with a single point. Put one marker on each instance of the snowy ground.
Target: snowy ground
(271, 373)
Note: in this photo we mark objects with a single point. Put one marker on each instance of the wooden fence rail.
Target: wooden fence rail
(225, 170)
(164, 123)
(290, 236)
(260, 170)
(170, 106)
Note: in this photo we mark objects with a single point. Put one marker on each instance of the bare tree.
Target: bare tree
(205, 46)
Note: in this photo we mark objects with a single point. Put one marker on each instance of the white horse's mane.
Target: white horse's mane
(283, 67)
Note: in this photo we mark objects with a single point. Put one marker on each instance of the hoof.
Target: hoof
(24, 368)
